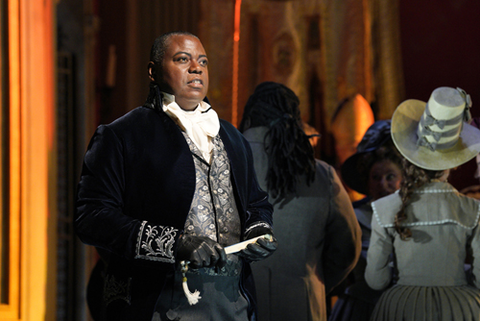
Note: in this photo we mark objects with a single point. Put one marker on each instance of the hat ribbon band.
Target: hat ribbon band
(428, 120)
(433, 146)
(426, 131)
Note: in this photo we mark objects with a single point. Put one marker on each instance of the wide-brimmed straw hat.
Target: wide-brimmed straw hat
(436, 135)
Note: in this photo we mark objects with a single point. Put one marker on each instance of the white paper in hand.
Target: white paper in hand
(242, 245)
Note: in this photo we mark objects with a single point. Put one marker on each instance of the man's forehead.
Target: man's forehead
(184, 41)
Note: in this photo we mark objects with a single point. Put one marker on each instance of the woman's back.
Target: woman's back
(441, 221)
(430, 264)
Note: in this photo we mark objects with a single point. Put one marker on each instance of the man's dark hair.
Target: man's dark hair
(290, 154)
(161, 43)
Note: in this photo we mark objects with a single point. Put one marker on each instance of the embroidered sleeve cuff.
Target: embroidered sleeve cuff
(155, 243)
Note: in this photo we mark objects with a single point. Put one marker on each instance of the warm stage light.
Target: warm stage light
(236, 43)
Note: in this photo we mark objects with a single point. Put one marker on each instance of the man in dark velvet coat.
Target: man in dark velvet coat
(140, 182)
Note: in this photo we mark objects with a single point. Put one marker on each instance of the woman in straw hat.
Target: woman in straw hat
(428, 225)
(375, 170)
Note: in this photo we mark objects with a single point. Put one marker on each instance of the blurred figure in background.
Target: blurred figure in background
(375, 170)
(351, 120)
(314, 219)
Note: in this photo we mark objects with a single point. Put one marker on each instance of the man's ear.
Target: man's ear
(152, 71)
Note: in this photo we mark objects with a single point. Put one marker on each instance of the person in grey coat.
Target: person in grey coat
(428, 225)
(314, 219)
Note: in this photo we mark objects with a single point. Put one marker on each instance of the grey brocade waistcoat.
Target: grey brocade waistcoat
(213, 212)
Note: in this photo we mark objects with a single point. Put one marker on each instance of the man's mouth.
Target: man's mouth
(196, 82)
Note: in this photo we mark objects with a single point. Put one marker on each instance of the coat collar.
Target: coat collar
(434, 203)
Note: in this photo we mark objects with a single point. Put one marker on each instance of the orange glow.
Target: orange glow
(236, 43)
(37, 134)
(31, 145)
(12, 309)
(49, 74)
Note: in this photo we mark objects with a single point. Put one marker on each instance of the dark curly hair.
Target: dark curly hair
(290, 154)
(413, 178)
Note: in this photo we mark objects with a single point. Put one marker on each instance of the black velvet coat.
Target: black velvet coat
(134, 194)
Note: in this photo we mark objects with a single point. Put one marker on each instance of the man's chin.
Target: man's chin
(189, 104)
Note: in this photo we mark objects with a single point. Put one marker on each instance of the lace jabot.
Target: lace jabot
(201, 124)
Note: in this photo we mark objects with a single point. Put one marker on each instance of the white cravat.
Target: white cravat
(201, 124)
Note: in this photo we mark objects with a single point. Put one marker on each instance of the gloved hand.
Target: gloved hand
(262, 248)
(200, 251)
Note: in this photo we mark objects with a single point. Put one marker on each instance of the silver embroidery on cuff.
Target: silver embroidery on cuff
(155, 243)
(259, 224)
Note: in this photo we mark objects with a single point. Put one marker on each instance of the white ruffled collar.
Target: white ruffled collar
(201, 124)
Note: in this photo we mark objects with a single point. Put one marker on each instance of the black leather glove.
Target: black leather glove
(200, 251)
(262, 248)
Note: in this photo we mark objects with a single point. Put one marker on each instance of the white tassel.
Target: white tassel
(194, 297)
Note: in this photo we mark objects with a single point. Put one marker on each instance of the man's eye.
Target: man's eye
(204, 62)
(182, 59)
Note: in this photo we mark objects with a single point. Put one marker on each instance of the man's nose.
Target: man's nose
(195, 68)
